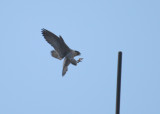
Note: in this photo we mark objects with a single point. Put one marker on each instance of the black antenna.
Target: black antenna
(118, 82)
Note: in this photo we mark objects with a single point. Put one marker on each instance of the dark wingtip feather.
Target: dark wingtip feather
(43, 30)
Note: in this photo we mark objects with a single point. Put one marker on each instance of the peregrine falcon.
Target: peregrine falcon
(61, 50)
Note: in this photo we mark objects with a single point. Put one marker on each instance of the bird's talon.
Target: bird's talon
(79, 60)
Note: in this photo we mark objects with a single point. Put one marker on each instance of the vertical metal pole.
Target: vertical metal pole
(118, 82)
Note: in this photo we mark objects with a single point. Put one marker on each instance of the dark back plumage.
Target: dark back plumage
(57, 42)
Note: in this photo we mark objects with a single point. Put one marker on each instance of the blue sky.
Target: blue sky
(31, 81)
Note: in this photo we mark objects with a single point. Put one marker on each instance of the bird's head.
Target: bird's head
(77, 53)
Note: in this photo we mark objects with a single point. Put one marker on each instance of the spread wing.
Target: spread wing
(57, 42)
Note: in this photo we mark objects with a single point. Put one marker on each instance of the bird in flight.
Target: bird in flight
(61, 50)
